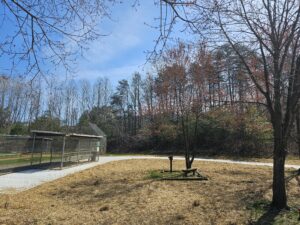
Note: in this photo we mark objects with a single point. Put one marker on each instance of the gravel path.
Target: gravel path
(23, 180)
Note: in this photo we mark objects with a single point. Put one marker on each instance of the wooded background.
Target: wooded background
(196, 98)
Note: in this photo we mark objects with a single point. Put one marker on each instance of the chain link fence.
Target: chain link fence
(17, 152)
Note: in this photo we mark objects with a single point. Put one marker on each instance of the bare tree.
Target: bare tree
(298, 131)
(85, 96)
(148, 95)
(71, 103)
(35, 98)
(4, 109)
(55, 98)
(179, 87)
(271, 29)
(102, 91)
(136, 85)
(47, 31)
(121, 105)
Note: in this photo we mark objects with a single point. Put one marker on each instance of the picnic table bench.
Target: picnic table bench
(187, 171)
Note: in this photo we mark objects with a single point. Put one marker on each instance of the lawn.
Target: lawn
(17, 160)
(126, 192)
(291, 159)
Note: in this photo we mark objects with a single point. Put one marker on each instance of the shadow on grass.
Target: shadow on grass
(121, 190)
(267, 218)
(107, 189)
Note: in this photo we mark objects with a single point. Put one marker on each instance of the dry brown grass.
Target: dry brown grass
(119, 193)
(290, 160)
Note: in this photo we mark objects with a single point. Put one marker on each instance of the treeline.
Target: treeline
(197, 99)
(48, 104)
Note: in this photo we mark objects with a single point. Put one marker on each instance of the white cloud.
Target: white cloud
(114, 74)
(112, 56)
(124, 34)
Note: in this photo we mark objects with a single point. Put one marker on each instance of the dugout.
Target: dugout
(69, 147)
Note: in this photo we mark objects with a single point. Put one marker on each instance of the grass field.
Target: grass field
(17, 160)
(292, 160)
(126, 192)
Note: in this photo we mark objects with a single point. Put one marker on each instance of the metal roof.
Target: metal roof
(84, 135)
(53, 133)
(24, 137)
(47, 133)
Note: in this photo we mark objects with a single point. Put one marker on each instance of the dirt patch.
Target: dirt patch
(122, 193)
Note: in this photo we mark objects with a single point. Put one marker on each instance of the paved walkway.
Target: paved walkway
(23, 180)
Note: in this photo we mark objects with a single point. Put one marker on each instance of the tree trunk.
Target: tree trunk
(279, 200)
(189, 159)
(298, 131)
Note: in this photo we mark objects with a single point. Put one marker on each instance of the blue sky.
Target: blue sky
(117, 55)
(121, 53)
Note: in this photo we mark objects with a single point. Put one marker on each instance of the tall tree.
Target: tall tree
(148, 95)
(85, 96)
(120, 103)
(136, 85)
(271, 30)
(71, 103)
(181, 95)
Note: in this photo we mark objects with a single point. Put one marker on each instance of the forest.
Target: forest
(194, 99)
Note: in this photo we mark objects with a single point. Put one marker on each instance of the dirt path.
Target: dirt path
(14, 182)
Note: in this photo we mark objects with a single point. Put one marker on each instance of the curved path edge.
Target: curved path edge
(19, 181)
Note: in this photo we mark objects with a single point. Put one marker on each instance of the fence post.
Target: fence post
(78, 151)
(90, 153)
(51, 153)
(33, 143)
(62, 153)
(41, 151)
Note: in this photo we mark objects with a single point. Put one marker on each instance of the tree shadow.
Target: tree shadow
(120, 190)
(86, 189)
(267, 218)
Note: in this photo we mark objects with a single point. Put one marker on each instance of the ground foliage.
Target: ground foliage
(121, 193)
